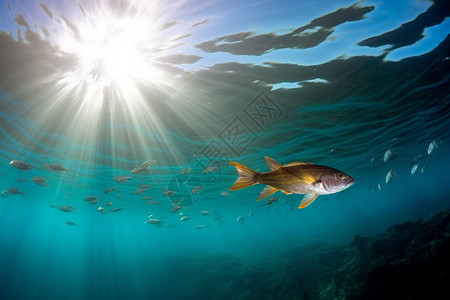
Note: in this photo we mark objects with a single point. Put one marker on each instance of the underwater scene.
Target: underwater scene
(224, 149)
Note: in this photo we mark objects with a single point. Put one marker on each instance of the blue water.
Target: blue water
(336, 83)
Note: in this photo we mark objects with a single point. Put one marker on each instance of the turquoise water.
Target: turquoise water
(339, 84)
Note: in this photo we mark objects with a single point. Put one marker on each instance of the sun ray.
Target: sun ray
(114, 77)
(105, 90)
(112, 51)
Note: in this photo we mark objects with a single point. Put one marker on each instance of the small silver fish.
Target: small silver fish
(70, 223)
(121, 179)
(176, 207)
(15, 191)
(240, 219)
(152, 202)
(169, 193)
(432, 147)
(389, 176)
(21, 165)
(185, 218)
(271, 200)
(210, 169)
(66, 208)
(154, 221)
(40, 180)
(205, 213)
(390, 154)
(424, 168)
(185, 171)
(117, 209)
(57, 167)
(141, 168)
(196, 189)
(140, 191)
(109, 190)
(91, 198)
(414, 169)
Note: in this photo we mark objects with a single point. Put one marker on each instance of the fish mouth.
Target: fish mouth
(350, 183)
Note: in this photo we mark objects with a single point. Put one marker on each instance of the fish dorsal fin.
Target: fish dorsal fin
(297, 163)
(266, 192)
(272, 164)
(307, 200)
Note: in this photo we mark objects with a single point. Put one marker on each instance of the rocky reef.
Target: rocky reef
(410, 260)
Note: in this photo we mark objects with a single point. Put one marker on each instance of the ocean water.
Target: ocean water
(100, 87)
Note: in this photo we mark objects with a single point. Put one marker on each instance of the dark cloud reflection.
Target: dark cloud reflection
(308, 36)
(413, 31)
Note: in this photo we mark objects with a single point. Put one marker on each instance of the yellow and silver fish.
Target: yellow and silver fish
(293, 178)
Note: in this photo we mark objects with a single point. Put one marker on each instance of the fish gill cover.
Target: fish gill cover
(118, 121)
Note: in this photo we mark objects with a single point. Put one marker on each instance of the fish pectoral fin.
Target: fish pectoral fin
(272, 164)
(307, 179)
(303, 178)
(307, 200)
(266, 192)
(316, 183)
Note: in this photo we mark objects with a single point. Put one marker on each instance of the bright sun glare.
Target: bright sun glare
(114, 71)
(107, 78)
(114, 52)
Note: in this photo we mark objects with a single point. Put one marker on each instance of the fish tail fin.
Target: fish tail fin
(246, 177)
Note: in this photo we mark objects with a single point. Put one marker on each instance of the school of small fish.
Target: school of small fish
(418, 163)
(291, 178)
(105, 207)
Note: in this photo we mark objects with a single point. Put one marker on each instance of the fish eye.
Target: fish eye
(341, 176)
